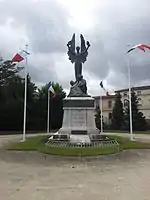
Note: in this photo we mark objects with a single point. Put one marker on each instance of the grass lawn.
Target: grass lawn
(126, 143)
(37, 144)
(124, 131)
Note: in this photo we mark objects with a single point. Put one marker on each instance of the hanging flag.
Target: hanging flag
(20, 56)
(51, 89)
(142, 47)
(1, 59)
(102, 86)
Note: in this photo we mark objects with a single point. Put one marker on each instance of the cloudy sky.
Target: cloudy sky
(110, 26)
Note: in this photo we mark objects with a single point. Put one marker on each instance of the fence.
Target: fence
(100, 144)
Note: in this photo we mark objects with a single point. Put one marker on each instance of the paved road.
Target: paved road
(31, 176)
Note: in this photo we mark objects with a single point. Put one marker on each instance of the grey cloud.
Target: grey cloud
(116, 25)
(45, 23)
(97, 60)
(46, 27)
(41, 69)
(124, 23)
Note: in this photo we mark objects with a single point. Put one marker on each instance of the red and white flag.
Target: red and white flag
(20, 56)
(51, 89)
(142, 47)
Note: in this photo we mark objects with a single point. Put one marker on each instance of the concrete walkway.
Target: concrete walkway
(31, 176)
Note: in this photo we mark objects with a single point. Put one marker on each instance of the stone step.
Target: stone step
(79, 139)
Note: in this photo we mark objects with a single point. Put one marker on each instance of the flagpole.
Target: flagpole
(25, 97)
(130, 103)
(101, 107)
(48, 108)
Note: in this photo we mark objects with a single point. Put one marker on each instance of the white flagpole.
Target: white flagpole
(48, 108)
(101, 107)
(130, 103)
(25, 98)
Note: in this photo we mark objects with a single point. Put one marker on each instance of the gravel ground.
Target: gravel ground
(33, 176)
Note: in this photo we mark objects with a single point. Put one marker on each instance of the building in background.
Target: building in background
(143, 94)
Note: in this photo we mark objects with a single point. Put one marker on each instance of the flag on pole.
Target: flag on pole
(51, 89)
(102, 86)
(20, 56)
(142, 47)
(1, 58)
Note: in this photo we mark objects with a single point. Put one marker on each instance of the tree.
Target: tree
(11, 96)
(56, 106)
(118, 113)
(31, 104)
(138, 120)
(11, 104)
(8, 70)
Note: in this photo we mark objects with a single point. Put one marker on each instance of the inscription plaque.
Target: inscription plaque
(79, 119)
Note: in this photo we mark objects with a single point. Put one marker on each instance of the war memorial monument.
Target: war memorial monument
(78, 125)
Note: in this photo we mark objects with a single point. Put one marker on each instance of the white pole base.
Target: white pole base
(23, 140)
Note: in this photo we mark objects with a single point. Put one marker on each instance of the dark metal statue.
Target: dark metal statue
(78, 57)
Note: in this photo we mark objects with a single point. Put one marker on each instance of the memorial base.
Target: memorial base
(78, 116)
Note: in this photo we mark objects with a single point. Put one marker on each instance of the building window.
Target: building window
(110, 116)
(125, 94)
(138, 92)
(126, 102)
(109, 104)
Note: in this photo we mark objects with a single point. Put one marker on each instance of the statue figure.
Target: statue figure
(78, 88)
(78, 57)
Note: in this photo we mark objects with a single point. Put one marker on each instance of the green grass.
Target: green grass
(125, 131)
(29, 145)
(37, 144)
(126, 143)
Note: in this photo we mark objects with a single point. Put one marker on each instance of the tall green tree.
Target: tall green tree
(11, 104)
(118, 113)
(11, 96)
(138, 120)
(56, 106)
(31, 104)
(8, 70)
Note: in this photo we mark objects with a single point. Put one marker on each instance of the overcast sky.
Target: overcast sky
(110, 26)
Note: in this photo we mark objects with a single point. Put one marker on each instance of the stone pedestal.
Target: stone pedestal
(78, 116)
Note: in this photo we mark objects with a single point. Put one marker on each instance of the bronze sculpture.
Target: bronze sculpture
(78, 57)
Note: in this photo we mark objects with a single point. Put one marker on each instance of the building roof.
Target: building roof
(147, 87)
(105, 97)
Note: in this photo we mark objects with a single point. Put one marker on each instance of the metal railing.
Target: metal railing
(98, 144)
